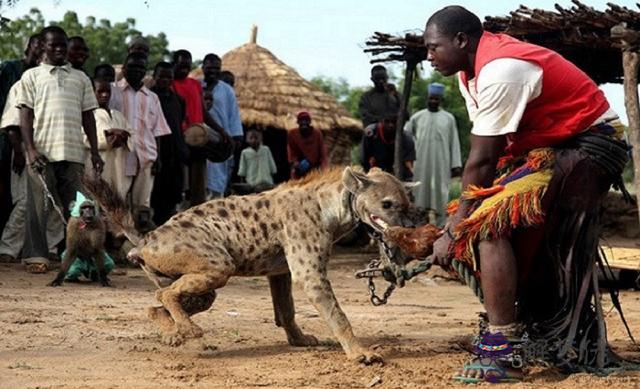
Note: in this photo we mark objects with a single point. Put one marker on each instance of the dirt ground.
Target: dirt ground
(86, 336)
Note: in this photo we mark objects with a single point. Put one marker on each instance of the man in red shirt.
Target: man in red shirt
(306, 147)
(191, 91)
(550, 131)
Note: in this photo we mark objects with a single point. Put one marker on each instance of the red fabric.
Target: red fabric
(312, 148)
(191, 91)
(568, 104)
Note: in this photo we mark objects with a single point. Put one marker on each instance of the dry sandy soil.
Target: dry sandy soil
(86, 336)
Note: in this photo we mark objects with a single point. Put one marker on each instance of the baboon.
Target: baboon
(85, 240)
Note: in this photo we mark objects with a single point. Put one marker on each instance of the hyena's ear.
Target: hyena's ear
(354, 181)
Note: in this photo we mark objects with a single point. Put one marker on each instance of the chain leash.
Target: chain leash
(49, 197)
(397, 275)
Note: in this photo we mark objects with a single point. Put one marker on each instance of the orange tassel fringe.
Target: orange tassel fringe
(521, 210)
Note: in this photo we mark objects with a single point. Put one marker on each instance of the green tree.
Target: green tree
(107, 42)
(15, 34)
(340, 89)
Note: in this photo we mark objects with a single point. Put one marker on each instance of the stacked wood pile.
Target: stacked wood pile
(389, 48)
(580, 33)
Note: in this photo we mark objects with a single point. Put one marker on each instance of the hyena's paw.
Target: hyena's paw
(362, 355)
(189, 331)
(162, 318)
(173, 338)
(303, 340)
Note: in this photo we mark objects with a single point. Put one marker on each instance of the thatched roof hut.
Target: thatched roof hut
(270, 94)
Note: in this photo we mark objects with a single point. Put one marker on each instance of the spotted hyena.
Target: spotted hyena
(285, 234)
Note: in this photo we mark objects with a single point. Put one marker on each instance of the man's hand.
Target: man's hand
(440, 254)
(155, 168)
(122, 137)
(112, 140)
(98, 163)
(237, 142)
(19, 162)
(37, 161)
(441, 248)
(116, 138)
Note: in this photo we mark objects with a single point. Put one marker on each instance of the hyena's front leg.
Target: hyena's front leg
(308, 269)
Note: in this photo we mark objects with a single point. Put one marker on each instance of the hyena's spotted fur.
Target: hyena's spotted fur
(285, 234)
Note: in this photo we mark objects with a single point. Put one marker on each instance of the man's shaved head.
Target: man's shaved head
(454, 19)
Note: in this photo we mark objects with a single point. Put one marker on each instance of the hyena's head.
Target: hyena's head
(379, 199)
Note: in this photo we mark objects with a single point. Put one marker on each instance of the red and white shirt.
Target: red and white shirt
(144, 115)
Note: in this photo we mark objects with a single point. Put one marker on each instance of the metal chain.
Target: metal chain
(375, 300)
(374, 270)
(49, 196)
(397, 275)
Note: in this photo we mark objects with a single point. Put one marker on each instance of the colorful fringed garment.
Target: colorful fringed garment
(548, 205)
(513, 201)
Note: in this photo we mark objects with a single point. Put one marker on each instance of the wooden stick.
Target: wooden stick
(398, 163)
(630, 65)
(602, 330)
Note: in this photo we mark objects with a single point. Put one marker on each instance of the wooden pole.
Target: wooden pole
(630, 64)
(406, 93)
(254, 34)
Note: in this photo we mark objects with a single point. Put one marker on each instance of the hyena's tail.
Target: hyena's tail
(114, 206)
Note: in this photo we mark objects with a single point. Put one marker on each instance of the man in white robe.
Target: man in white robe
(437, 145)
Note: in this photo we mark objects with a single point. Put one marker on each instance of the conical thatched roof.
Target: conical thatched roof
(270, 93)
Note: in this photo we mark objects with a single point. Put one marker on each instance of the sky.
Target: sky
(314, 37)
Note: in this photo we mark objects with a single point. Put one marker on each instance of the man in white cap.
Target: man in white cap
(437, 145)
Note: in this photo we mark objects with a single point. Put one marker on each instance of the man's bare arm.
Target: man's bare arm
(89, 126)
(26, 130)
(480, 171)
(211, 122)
(480, 168)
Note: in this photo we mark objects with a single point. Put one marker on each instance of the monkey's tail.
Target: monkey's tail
(113, 205)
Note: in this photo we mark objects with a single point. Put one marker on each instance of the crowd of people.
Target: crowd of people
(59, 123)
(430, 142)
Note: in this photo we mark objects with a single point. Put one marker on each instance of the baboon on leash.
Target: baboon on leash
(85, 240)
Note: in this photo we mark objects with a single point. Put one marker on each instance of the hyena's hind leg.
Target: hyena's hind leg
(203, 275)
(191, 305)
(285, 311)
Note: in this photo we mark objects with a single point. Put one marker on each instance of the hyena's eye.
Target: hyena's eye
(387, 204)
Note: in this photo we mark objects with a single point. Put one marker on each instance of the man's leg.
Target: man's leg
(499, 280)
(35, 244)
(69, 176)
(197, 181)
(141, 188)
(55, 231)
(230, 170)
(68, 179)
(5, 180)
(499, 283)
(13, 235)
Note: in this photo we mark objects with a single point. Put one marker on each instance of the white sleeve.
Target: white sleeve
(505, 86)
(11, 113)
(469, 101)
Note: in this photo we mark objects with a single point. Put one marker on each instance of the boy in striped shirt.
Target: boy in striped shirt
(56, 103)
